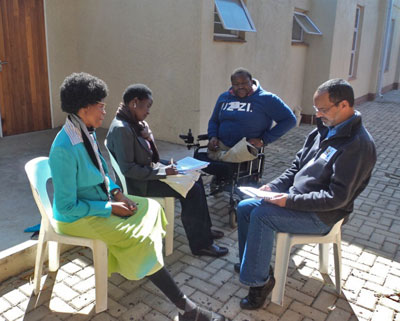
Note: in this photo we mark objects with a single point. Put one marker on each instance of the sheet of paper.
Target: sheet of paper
(256, 193)
(182, 183)
(188, 164)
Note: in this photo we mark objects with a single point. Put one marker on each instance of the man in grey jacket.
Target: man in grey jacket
(318, 190)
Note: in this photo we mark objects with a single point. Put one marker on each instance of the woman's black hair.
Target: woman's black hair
(81, 89)
(138, 91)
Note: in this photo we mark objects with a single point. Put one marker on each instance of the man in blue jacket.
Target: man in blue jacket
(245, 110)
(318, 190)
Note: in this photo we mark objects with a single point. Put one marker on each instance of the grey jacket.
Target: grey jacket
(133, 156)
(328, 174)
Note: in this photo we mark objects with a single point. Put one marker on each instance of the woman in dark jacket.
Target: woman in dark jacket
(131, 142)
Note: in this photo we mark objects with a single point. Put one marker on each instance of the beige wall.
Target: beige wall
(396, 57)
(152, 42)
(62, 48)
(268, 54)
(329, 56)
(366, 77)
(319, 53)
(371, 41)
(168, 45)
(391, 76)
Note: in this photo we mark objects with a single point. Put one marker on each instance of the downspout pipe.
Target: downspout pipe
(385, 48)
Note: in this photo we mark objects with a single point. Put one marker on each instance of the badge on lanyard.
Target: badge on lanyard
(328, 153)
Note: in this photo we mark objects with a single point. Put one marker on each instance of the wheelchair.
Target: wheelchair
(227, 177)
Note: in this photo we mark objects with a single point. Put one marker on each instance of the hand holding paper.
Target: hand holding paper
(265, 187)
(171, 168)
(279, 199)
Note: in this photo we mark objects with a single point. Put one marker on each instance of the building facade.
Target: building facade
(185, 52)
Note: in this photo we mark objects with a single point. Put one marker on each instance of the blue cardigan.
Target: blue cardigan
(76, 181)
(252, 117)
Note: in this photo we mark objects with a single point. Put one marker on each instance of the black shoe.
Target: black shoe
(216, 186)
(271, 271)
(257, 295)
(215, 234)
(213, 250)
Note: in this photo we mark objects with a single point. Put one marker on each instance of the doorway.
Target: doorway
(24, 84)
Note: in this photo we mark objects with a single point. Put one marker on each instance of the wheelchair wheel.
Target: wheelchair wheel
(232, 218)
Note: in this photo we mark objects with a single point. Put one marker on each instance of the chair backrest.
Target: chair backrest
(38, 171)
(117, 170)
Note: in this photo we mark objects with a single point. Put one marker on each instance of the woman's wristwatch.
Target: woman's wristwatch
(115, 191)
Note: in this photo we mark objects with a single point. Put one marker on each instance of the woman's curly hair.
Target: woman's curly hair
(79, 90)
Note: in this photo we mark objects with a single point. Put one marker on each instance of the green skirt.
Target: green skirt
(134, 243)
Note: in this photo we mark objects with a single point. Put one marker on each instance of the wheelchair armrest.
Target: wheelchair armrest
(202, 137)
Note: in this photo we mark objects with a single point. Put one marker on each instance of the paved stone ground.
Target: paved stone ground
(371, 258)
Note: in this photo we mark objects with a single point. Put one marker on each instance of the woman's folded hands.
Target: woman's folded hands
(123, 206)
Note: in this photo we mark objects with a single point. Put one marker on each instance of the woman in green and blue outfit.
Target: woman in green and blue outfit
(89, 204)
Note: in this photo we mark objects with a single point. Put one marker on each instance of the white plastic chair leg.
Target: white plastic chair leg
(54, 256)
(169, 207)
(283, 245)
(40, 253)
(337, 251)
(100, 262)
(323, 257)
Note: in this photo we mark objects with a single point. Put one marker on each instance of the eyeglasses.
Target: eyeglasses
(103, 105)
(326, 110)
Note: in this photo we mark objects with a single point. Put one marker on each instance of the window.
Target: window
(389, 48)
(355, 46)
(303, 24)
(231, 20)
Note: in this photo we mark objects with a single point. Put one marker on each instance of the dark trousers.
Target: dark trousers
(225, 171)
(195, 216)
(221, 170)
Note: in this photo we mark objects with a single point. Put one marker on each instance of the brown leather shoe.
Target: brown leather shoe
(215, 234)
(213, 250)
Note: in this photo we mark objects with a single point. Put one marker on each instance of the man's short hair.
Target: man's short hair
(241, 71)
(338, 90)
(138, 91)
(79, 90)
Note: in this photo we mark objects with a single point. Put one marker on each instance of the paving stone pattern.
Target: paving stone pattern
(370, 251)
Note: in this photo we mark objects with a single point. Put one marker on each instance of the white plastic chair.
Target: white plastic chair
(38, 172)
(285, 241)
(168, 203)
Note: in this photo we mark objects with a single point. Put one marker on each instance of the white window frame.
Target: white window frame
(314, 30)
(355, 44)
(228, 32)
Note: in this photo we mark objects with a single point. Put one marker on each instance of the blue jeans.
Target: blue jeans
(257, 223)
